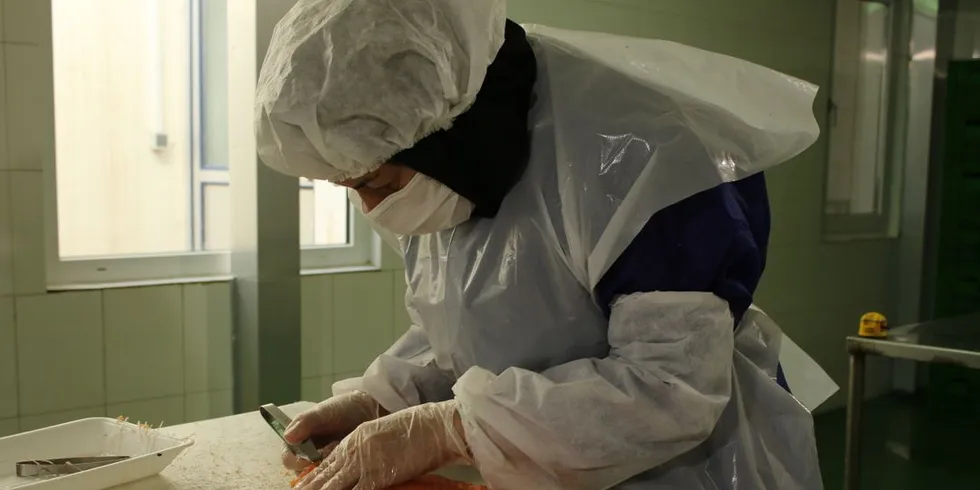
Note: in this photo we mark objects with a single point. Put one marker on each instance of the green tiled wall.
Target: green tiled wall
(348, 319)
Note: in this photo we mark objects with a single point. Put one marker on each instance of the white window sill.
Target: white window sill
(341, 270)
(198, 280)
(54, 288)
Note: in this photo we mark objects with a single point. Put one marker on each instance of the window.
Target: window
(142, 150)
(862, 176)
(330, 235)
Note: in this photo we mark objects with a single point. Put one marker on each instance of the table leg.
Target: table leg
(855, 398)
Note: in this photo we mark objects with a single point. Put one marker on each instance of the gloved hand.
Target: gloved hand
(393, 449)
(328, 423)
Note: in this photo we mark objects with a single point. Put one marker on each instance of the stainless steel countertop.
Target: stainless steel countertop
(947, 341)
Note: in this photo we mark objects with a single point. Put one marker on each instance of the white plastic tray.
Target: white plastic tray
(149, 450)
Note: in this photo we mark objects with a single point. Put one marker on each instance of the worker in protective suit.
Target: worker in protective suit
(583, 220)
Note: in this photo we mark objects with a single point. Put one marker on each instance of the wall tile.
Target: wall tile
(317, 325)
(312, 389)
(168, 410)
(33, 422)
(27, 231)
(799, 276)
(796, 198)
(9, 427)
(402, 321)
(30, 102)
(60, 362)
(6, 241)
(345, 376)
(27, 21)
(144, 343)
(602, 17)
(205, 406)
(3, 103)
(390, 258)
(794, 17)
(720, 27)
(806, 57)
(362, 319)
(323, 388)
(8, 360)
(207, 337)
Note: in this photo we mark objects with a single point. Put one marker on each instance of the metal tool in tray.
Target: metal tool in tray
(63, 466)
(278, 420)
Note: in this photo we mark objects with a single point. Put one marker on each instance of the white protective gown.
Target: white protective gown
(665, 393)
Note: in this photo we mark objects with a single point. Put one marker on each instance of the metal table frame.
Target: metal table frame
(951, 341)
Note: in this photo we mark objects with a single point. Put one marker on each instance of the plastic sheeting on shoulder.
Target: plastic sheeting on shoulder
(641, 124)
(665, 393)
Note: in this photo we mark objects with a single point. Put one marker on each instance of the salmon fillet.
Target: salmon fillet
(433, 482)
(428, 482)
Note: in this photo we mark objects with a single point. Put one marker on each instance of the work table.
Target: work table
(235, 453)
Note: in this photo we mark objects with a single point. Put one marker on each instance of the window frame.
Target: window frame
(839, 226)
(361, 251)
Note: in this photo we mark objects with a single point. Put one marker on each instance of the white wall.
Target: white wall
(161, 353)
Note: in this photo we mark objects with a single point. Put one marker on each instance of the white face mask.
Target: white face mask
(423, 206)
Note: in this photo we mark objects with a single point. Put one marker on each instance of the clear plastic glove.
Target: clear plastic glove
(328, 423)
(393, 449)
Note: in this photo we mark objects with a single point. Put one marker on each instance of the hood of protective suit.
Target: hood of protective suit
(348, 84)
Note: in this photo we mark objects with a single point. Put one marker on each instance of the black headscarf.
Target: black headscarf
(486, 150)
